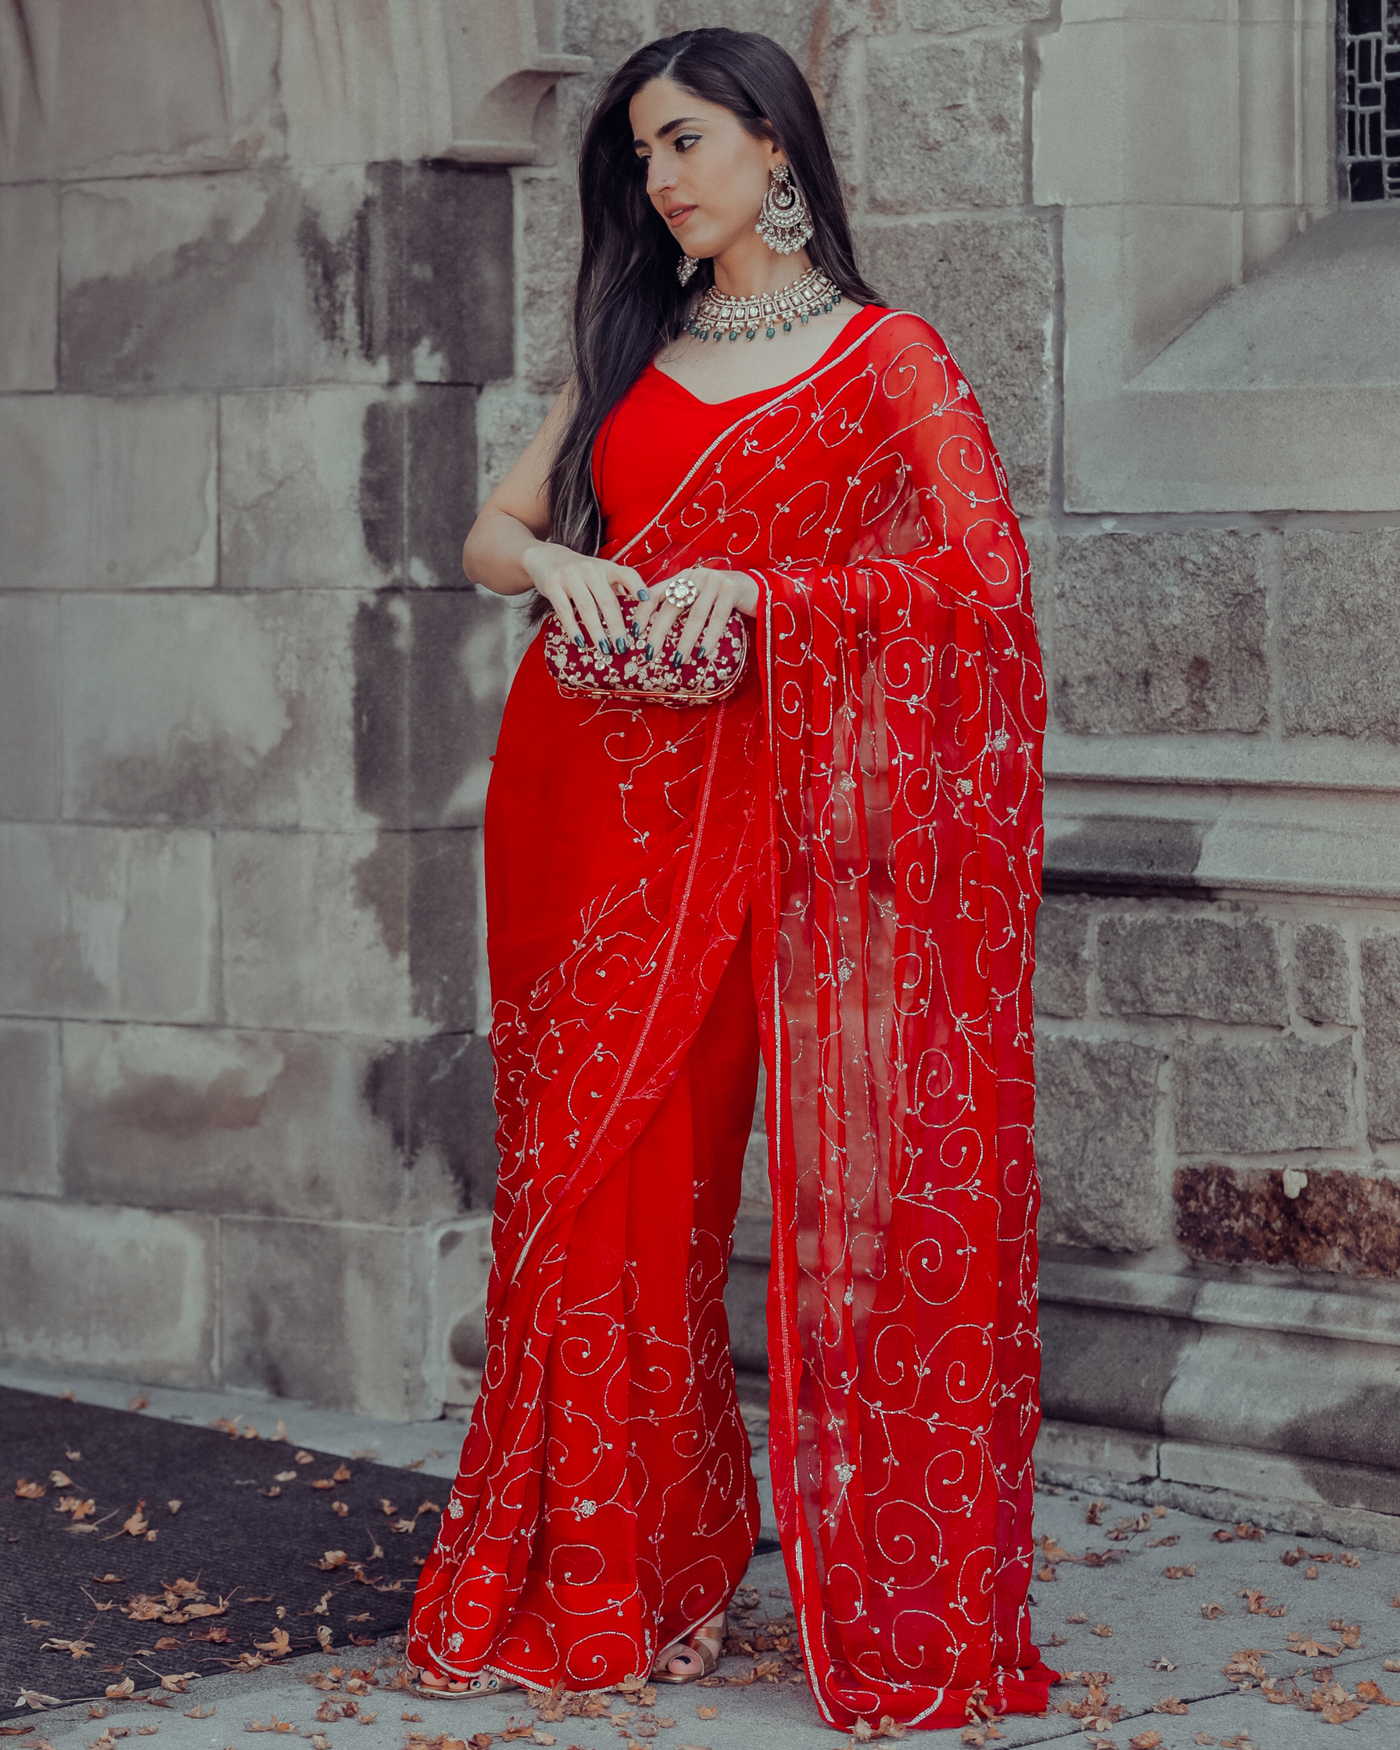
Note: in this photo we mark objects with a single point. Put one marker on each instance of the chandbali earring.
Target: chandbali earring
(784, 219)
(685, 268)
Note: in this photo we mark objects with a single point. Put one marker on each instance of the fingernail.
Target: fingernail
(700, 651)
(578, 639)
(643, 596)
(676, 660)
(621, 644)
(605, 645)
(651, 651)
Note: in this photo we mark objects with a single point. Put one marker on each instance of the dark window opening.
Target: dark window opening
(1368, 111)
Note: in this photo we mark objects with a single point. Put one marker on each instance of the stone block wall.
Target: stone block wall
(247, 698)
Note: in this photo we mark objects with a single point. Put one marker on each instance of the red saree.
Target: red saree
(854, 838)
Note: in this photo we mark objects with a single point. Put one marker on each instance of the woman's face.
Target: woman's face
(706, 175)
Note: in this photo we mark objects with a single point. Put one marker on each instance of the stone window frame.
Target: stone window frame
(1200, 218)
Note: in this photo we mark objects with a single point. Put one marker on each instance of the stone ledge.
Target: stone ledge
(1296, 1311)
(1123, 837)
(1223, 1483)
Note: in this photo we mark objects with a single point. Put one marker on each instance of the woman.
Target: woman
(838, 865)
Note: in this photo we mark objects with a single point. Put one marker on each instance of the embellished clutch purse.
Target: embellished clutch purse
(631, 677)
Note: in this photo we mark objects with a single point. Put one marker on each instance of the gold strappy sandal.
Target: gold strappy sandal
(706, 1643)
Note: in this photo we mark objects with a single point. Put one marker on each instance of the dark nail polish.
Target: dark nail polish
(676, 660)
(643, 596)
(700, 652)
(578, 639)
(605, 645)
(651, 651)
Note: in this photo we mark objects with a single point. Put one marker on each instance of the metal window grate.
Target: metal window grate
(1369, 80)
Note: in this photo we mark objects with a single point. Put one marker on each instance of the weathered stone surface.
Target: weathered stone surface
(1061, 960)
(431, 672)
(1093, 1358)
(214, 708)
(290, 471)
(462, 1271)
(355, 273)
(1096, 1106)
(950, 127)
(1380, 1014)
(333, 1313)
(244, 1123)
(970, 14)
(29, 287)
(507, 416)
(1339, 633)
(434, 1097)
(85, 93)
(352, 932)
(1160, 634)
(1208, 967)
(458, 677)
(609, 30)
(1311, 1396)
(988, 287)
(103, 494)
(1263, 1097)
(346, 488)
(1123, 853)
(29, 695)
(549, 250)
(1343, 1222)
(28, 1108)
(105, 922)
(1322, 974)
(109, 1290)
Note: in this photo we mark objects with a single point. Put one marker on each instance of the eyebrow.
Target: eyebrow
(670, 128)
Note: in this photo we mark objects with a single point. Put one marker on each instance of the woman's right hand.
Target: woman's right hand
(587, 594)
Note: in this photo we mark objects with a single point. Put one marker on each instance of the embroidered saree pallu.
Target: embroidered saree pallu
(868, 804)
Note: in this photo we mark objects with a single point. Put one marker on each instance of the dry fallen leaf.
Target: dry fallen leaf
(1186, 1572)
(173, 1506)
(1093, 1513)
(1306, 1647)
(279, 1646)
(138, 1524)
(341, 1474)
(1058, 1640)
(1259, 1603)
(1348, 1560)
(1170, 1704)
(78, 1649)
(304, 1457)
(1223, 1536)
(1212, 1610)
(1078, 1616)
(1373, 1693)
(1145, 1741)
(333, 1558)
(1102, 1630)
(198, 1713)
(706, 1713)
(59, 1480)
(139, 1402)
(115, 1691)
(1349, 1631)
(177, 1681)
(25, 1491)
(1390, 1665)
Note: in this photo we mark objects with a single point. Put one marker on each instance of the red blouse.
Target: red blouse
(658, 429)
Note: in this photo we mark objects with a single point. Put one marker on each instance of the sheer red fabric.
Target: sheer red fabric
(869, 805)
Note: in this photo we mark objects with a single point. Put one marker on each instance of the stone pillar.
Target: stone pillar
(255, 275)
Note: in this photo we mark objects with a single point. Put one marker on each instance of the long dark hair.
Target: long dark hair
(629, 303)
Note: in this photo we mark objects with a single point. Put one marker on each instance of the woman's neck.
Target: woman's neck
(749, 268)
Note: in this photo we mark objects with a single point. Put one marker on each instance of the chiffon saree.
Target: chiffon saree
(841, 862)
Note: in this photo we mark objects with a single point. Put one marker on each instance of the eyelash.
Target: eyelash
(681, 146)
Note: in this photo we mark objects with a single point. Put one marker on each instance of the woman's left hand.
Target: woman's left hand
(720, 593)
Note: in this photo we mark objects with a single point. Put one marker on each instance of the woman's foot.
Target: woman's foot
(479, 1683)
(693, 1658)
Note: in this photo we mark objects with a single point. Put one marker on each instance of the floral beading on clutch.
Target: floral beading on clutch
(630, 676)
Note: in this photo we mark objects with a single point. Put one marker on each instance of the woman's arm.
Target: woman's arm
(509, 550)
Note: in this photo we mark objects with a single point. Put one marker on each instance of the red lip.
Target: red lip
(677, 215)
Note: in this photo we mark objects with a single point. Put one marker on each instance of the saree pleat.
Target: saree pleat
(858, 830)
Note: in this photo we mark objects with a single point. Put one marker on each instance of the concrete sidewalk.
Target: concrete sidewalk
(1131, 1636)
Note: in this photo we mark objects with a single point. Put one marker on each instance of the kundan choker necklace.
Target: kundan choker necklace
(718, 315)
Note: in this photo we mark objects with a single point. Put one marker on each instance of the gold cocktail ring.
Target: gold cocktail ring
(681, 591)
